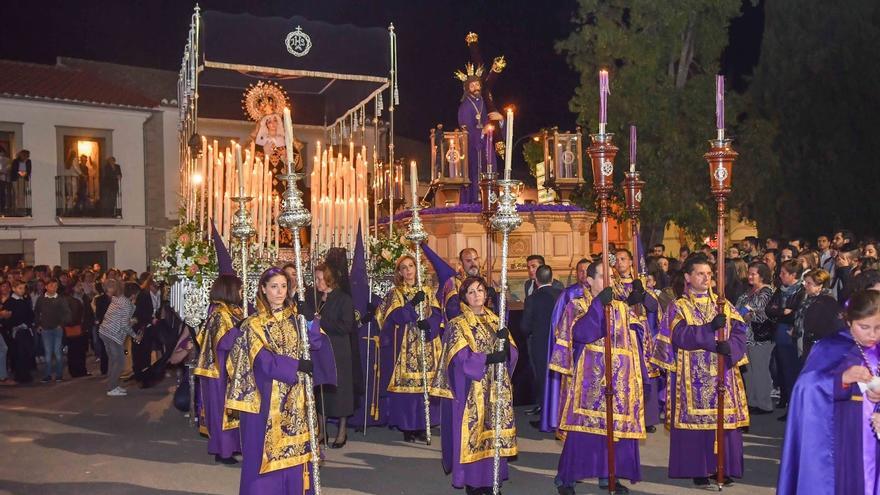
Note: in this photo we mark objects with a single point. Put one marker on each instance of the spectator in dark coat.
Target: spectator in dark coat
(535, 326)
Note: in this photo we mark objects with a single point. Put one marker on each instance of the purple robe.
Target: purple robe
(406, 410)
(375, 396)
(550, 406)
(829, 446)
(221, 442)
(479, 151)
(269, 367)
(464, 368)
(585, 453)
(222, 431)
(685, 343)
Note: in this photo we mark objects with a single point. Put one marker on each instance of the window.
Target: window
(79, 186)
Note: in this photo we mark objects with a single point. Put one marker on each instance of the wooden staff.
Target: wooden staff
(602, 152)
(721, 157)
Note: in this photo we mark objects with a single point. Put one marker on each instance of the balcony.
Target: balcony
(15, 198)
(78, 198)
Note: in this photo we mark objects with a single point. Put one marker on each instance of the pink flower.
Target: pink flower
(183, 239)
(192, 270)
(202, 260)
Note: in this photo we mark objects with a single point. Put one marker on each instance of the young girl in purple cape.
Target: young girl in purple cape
(831, 444)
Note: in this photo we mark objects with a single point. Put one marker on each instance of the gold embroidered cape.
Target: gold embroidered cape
(477, 333)
(286, 440)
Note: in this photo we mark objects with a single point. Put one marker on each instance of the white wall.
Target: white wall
(171, 157)
(39, 121)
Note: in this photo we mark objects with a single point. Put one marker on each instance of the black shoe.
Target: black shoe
(565, 490)
(784, 417)
(619, 488)
(651, 429)
(338, 445)
(225, 460)
(782, 405)
(703, 482)
(534, 411)
(536, 424)
(728, 481)
(757, 411)
(409, 436)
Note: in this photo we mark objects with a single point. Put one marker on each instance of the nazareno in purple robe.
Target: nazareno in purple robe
(406, 411)
(465, 367)
(213, 379)
(550, 406)
(375, 397)
(221, 442)
(829, 446)
(269, 366)
(692, 452)
(585, 455)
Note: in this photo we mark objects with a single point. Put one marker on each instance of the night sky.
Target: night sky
(430, 41)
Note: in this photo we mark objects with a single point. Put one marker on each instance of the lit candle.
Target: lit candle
(604, 91)
(288, 139)
(508, 144)
(414, 182)
(489, 145)
(719, 105)
(240, 166)
(632, 148)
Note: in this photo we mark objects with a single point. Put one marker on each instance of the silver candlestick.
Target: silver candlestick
(417, 235)
(505, 220)
(294, 216)
(243, 229)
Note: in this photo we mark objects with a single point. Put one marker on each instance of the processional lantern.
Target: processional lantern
(563, 162)
(449, 164)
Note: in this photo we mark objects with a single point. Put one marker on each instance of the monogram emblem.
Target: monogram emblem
(567, 157)
(638, 196)
(607, 168)
(298, 43)
(721, 174)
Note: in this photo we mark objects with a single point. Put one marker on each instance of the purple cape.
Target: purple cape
(823, 450)
(550, 405)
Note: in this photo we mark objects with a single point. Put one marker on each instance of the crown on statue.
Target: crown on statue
(471, 38)
(499, 64)
(470, 72)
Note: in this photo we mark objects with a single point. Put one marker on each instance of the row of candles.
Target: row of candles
(218, 177)
(339, 200)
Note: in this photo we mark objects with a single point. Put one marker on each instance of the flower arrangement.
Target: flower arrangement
(384, 251)
(186, 256)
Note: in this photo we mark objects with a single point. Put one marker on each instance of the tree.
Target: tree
(663, 58)
(817, 78)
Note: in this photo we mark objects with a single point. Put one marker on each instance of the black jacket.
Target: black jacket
(538, 312)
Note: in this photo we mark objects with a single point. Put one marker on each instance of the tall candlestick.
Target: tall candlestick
(604, 91)
(288, 139)
(719, 105)
(632, 148)
(489, 146)
(414, 182)
(508, 144)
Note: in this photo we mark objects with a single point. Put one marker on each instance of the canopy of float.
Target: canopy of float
(346, 66)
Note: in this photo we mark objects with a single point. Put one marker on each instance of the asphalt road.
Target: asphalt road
(71, 439)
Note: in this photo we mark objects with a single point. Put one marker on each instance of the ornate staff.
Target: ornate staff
(417, 235)
(632, 189)
(295, 216)
(720, 158)
(602, 152)
(505, 220)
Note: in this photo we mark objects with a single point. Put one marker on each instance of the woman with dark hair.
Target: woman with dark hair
(759, 338)
(737, 273)
(466, 377)
(781, 309)
(75, 331)
(400, 325)
(267, 387)
(20, 321)
(215, 339)
(831, 437)
(336, 316)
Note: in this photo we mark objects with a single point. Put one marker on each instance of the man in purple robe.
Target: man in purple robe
(474, 115)
(585, 451)
(555, 383)
(624, 281)
(688, 346)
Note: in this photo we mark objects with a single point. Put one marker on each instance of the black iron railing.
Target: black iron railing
(15, 198)
(76, 197)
